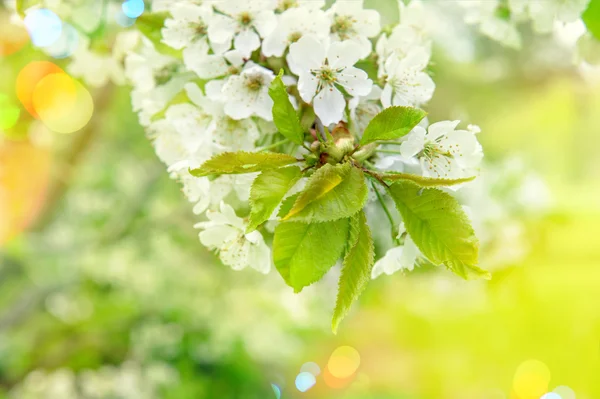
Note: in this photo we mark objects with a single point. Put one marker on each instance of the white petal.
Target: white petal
(214, 237)
(355, 81)
(247, 41)
(343, 54)
(329, 105)
(265, 22)
(307, 86)
(409, 255)
(207, 66)
(221, 29)
(306, 54)
(441, 128)
(386, 96)
(274, 45)
(414, 143)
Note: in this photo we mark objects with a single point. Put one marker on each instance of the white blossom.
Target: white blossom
(544, 13)
(397, 258)
(443, 151)
(484, 14)
(406, 83)
(293, 25)
(244, 22)
(188, 25)
(321, 68)
(225, 232)
(351, 21)
(247, 94)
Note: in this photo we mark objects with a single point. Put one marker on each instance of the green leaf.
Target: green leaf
(267, 191)
(150, 25)
(228, 163)
(591, 17)
(20, 7)
(287, 205)
(284, 114)
(332, 193)
(426, 181)
(392, 123)
(356, 270)
(303, 253)
(439, 227)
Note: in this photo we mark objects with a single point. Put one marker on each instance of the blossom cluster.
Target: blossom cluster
(209, 93)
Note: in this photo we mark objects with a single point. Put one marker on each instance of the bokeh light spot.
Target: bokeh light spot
(44, 27)
(123, 19)
(531, 379)
(277, 391)
(28, 79)
(305, 381)
(335, 383)
(344, 362)
(12, 37)
(133, 8)
(63, 104)
(66, 44)
(311, 367)
(9, 113)
(551, 395)
(565, 392)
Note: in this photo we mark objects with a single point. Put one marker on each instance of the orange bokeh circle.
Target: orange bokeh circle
(28, 79)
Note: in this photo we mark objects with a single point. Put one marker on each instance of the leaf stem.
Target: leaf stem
(274, 145)
(388, 152)
(390, 142)
(385, 209)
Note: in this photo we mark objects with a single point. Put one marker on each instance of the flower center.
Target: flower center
(254, 82)
(200, 29)
(245, 19)
(294, 37)
(326, 75)
(286, 5)
(434, 150)
(165, 74)
(343, 26)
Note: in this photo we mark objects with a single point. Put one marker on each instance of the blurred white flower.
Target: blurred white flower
(351, 21)
(544, 13)
(398, 258)
(225, 232)
(189, 25)
(485, 15)
(293, 25)
(443, 151)
(244, 22)
(321, 68)
(247, 94)
(406, 83)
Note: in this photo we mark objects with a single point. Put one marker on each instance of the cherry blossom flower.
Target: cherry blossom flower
(247, 94)
(244, 22)
(406, 83)
(443, 151)
(293, 25)
(321, 68)
(544, 14)
(225, 232)
(350, 21)
(189, 25)
(402, 257)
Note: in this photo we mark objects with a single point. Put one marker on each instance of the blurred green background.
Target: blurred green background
(107, 293)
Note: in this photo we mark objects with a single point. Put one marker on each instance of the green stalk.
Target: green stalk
(274, 145)
(386, 210)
